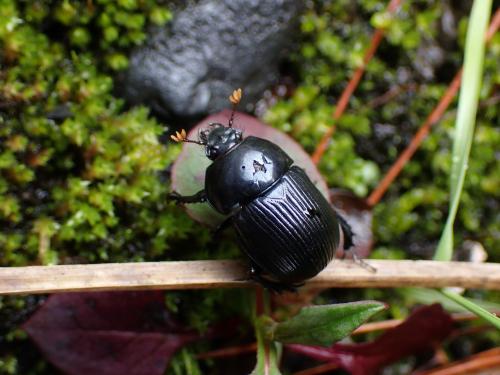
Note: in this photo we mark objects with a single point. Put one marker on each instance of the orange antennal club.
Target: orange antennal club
(235, 98)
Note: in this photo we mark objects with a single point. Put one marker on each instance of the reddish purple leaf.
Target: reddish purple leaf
(188, 171)
(107, 333)
(423, 328)
(359, 216)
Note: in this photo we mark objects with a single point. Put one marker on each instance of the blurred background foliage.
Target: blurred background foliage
(83, 178)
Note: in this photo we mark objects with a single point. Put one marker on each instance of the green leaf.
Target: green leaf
(466, 117)
(323, 325)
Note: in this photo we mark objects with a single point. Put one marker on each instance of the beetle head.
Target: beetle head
(219, 139)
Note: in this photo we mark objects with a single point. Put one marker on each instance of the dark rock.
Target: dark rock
(190, 67)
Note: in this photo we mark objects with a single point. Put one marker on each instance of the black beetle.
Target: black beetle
(283, 223)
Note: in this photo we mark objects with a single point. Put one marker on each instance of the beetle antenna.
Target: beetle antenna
(182, 137)
(235, 98)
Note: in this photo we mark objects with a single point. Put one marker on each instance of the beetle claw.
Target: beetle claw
(360, 262)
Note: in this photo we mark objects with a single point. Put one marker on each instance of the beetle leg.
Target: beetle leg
(359, 261)
(199, 197)
(222, 227)
(362, 263)
(348, 234)
(273, 286)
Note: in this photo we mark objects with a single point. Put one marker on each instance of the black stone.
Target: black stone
(189, 68)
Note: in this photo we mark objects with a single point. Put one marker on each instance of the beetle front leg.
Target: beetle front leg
(222, 227)
(347, 230)
(216, 233)
(362, 263)
(199, 197)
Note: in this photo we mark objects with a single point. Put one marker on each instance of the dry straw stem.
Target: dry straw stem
(487, 361)
(227, 273)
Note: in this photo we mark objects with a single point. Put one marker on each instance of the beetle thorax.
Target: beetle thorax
(219, 139)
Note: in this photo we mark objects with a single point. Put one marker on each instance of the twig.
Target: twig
(321, 369)
(351, 86)
(406, 155)
(485, 360)
(224, 274)
(391, 323)
(391, 94)
(229, 352)
(432, 119)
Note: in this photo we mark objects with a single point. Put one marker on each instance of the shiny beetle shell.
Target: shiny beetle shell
(285, 226)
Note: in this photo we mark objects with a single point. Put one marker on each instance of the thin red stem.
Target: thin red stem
(321, 369)
(406, 155)
(351, 86)
(432, 119)
(489, 359)
(262, 307)
(229, 352)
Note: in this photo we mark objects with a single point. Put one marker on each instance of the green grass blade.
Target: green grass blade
(467, 108)
(472, 307)
(464, 131)
(430, 296)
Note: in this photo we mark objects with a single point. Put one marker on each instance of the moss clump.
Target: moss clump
(79, 175)
(82, 177)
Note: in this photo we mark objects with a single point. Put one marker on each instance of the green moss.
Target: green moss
(87, 183)
(82, 178)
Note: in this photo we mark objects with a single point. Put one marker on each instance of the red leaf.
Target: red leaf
(107, 333)
(426, 326)
(359, 216)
